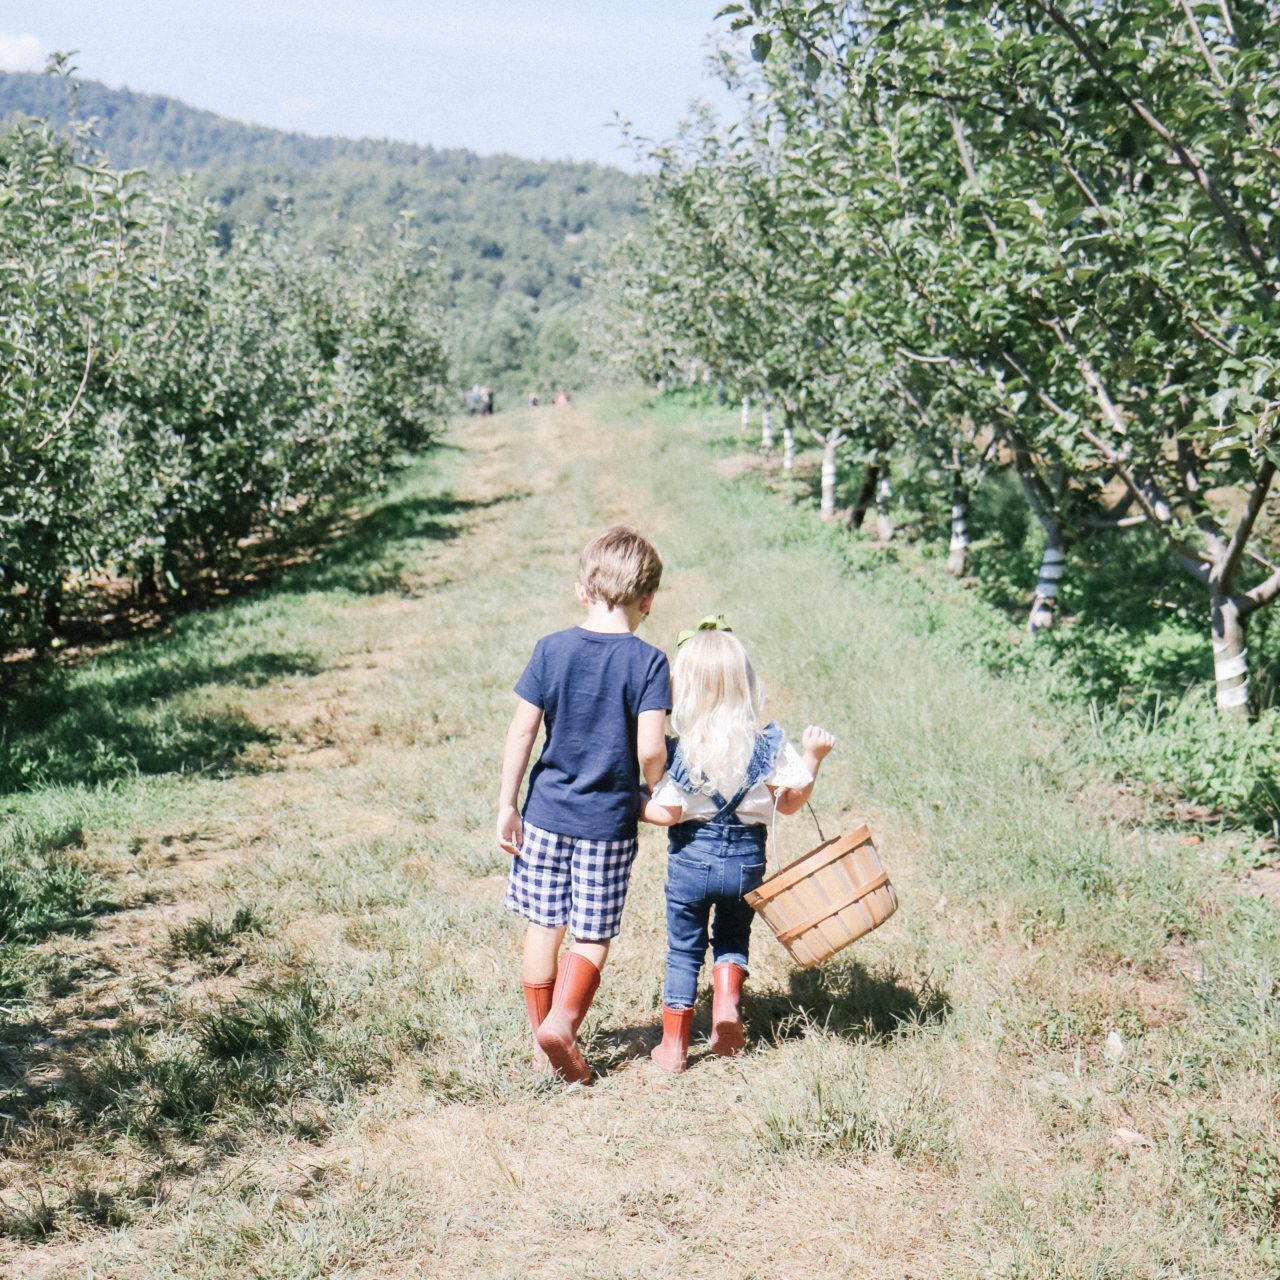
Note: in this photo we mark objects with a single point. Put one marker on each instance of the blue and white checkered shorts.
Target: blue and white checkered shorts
(560, 880)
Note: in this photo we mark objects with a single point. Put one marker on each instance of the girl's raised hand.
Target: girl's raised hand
(817, 742)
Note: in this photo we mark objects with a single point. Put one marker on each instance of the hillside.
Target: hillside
(515, 236)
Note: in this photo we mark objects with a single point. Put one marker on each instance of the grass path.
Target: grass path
(1003, 1081)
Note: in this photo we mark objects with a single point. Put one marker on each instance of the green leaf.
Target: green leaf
(761, 44)
(812, 67)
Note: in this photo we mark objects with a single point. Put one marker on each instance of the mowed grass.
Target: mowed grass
(295, 1045)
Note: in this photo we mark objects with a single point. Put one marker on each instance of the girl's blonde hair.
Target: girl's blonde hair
(719, 708)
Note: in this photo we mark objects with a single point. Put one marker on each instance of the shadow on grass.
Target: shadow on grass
(127, 717)
(373, 553)
(88, 722)
(846, 999)
(843, 998)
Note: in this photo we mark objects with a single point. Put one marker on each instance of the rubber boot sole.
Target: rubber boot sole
(556, 1039)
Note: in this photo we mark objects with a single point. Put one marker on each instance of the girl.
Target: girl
(725, 776)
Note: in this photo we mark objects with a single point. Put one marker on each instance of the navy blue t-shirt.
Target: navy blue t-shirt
(591, 687)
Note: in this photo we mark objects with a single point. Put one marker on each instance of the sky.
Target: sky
(536, 78)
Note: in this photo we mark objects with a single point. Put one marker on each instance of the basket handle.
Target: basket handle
(777, 852)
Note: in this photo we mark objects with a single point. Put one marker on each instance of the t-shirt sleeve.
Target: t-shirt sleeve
(656, 695)
(788, 768)
(530, 684)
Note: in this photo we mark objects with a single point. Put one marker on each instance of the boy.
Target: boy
(605, 695)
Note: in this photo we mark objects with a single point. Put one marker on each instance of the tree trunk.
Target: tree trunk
(766, 426)
(1052, 563)
(721, 394)
(832, 443)
(788, 446)
(958, 555)
(746, 414)
(1230, 657)
(662, 386)
(51, 609)
(884, 492)
(865, 494)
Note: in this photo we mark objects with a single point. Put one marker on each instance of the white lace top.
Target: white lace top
(757, 804)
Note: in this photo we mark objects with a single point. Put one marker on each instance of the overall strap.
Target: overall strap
(730, 807)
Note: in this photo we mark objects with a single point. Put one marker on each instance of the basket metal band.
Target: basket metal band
(831, 909)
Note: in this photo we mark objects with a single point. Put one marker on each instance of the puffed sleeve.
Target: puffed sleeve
(788, 768)
(667, 794)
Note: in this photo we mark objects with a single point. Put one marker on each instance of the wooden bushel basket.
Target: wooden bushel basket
(828, 898)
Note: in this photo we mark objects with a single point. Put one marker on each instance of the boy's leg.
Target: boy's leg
(539, 889)
(538, 976)
(596, 952)
(541, 951)
(601, 873)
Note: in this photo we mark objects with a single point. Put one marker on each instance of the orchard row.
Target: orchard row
(167, 402)
(1036, 236)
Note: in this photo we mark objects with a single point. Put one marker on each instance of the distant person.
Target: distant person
(562, 397)
(486, 401)
(726, 776)
(534, 399)
(604, 694)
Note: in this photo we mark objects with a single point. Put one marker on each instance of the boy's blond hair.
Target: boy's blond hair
(619, 568)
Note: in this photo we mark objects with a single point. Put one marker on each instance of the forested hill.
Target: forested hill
(515, 236)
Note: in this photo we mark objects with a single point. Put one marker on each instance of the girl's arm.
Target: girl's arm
(660, 815)
(515, 760)
(816, 745)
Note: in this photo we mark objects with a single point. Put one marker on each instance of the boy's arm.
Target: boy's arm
(651, 746)
(515, 760)
(816, 744)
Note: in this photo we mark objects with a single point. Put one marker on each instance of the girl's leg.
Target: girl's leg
(686, 947)
(731, 932)
(730, 942)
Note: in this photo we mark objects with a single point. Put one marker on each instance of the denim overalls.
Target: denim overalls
(713, 862)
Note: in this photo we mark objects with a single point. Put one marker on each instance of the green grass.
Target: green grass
(339, 990)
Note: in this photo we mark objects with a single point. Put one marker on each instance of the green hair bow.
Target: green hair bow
(712, 622)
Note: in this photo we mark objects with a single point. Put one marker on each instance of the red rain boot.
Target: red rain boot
(726, 1022)
(557, 1037)
(537, 999)
(673, 1053)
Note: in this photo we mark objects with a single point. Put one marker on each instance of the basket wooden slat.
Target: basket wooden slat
(827, 899)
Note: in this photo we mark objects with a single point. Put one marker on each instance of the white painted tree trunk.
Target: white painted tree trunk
(1044, 607)
(788, 446)
(958, 553)
(884, 495)
(831, 444)
(766, 426)
(1230, 658)
(746, 414)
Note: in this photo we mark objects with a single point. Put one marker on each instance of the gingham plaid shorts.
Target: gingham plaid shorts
(560, 880)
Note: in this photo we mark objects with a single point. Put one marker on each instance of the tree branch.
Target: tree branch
(75, 403)
(1263, 594)
(1224, 572)
(1229, 216)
